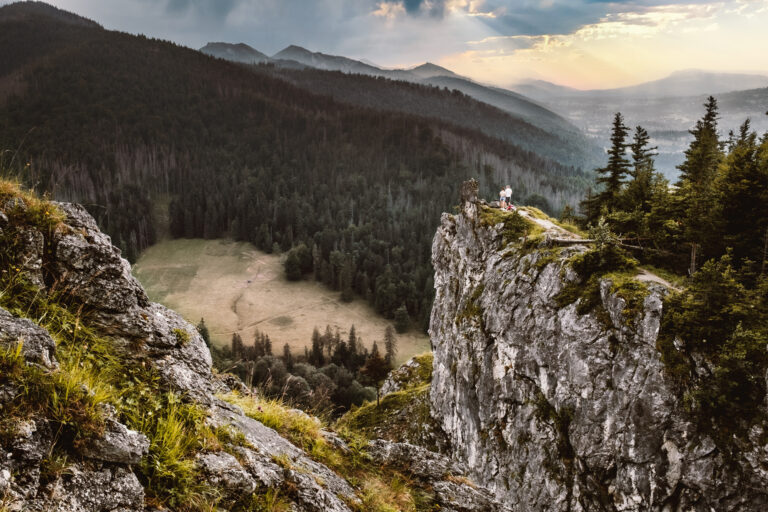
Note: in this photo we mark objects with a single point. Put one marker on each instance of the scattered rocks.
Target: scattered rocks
(223, 470)
(416, 460)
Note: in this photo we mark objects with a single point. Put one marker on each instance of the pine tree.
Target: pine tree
(376, 370)
(697, 173)
(288, 358)
(390, 345)
(639, 191)
(742, 197)
(237, 346)
(611, 177)
(204, 333)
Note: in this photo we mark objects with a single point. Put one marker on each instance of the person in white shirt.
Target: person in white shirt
(502, 198)
(508, 194)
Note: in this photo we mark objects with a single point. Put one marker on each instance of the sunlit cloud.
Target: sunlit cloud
(583, 43)
(625, 46)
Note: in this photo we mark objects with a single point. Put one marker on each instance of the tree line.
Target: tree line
(331, 375)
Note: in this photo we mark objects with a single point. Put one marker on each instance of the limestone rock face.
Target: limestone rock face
(554, 410)
(453, 491)
(118, 444)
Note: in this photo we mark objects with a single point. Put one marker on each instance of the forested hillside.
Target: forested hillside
(126, 125)
(439, 98)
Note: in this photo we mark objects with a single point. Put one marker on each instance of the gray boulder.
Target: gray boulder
(37, 346)
(86, 490)
(119, 444)
(416, 460)
(223, 470)
(88, 266)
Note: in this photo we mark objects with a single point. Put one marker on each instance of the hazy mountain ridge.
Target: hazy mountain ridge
(571, 139)
(678, 84)
(663, 107)
(240, 52)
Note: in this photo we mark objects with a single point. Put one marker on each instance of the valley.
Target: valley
(238, 288)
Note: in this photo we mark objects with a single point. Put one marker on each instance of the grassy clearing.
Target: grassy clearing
(237, 288)
(573, 228)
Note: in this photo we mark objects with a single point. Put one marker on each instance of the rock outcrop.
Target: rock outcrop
(100, 471)
(560, 411)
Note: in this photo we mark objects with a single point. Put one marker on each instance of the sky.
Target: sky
(579, 43)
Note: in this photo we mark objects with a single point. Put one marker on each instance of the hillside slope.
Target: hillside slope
(527, 123)
(139, 130)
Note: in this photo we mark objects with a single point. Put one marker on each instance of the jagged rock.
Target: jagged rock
(403, 376)
(8, 392)
(416, 460)
(37, 345)
(261, 467)
(90, 267)
(269, 443)
(181, 356)
(223, 470)
(312, 493)
(554, 410)
(32, 440)
(464, 497)
(84, 490)
(226, 382)
(119, 444)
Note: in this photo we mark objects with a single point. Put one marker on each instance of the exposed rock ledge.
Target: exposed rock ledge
(556, 411)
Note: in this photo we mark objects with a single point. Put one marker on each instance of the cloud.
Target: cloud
(219, 9)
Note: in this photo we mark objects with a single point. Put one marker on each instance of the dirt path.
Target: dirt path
(642, 275)
(648, 277)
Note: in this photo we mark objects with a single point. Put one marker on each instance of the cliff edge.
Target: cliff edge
(555, 396)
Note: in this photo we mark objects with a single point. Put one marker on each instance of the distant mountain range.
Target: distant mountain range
(583, 152)
(668, 108)
(678, 84)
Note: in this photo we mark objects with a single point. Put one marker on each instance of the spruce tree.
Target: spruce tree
(640, 188)
(611, 177)
(204, 333)
(390, 345)
(742, 198)
(697, 174)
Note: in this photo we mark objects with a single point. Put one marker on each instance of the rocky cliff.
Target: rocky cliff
(556, 409)
(108, 401)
